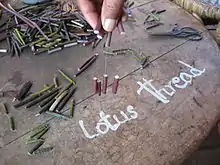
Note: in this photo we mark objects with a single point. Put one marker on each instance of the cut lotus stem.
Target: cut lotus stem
(12, 124)
(99, 87)
(95, 85)
(41, 98)
(39, 131)
(65, 89)
(36, 147)
(66, 99)
(24, 90)
(43, 150)
(46, 101)
(66, 76)
(45, 89)
(31, 141)
(72, 108)
(41, 134)
(39, 127)
(46, 107)
(5, 108)
(55, 81)
(115, 84)
(105, 83)
(58, 100)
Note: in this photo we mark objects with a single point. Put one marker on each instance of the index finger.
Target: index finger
(89, 11)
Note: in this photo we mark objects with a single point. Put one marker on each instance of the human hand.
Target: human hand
(110, 12)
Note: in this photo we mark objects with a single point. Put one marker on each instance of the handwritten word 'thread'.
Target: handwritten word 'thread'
(180, 82)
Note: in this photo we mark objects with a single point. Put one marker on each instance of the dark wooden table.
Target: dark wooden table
(150, 131)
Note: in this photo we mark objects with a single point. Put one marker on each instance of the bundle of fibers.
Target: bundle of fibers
(203, 8)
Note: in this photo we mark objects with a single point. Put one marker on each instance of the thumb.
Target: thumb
(111, 13)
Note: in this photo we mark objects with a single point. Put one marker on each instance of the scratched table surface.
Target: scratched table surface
(159, 115)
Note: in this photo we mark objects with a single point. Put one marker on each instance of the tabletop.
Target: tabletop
(159, 115)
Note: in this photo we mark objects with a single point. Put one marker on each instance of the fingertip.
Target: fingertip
(109, 24)
(89, 11)
(92, 19)
(111, 13)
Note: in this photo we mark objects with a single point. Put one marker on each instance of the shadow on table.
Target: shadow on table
(209, 151)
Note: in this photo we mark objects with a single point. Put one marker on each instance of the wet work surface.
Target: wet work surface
(159, 123)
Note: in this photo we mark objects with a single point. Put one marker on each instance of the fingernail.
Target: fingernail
(109, 24)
